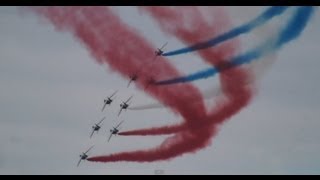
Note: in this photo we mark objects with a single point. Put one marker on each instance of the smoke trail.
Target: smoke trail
(95, 26)
(155, 131)
(225, 108)
(198, 136)
(173, 20)
(190, 140)
(234, 83)
(186, 141)
(105, 40)
(104, 36)
(147, 106)
(295, 26)
(292, 30)
(246, 28)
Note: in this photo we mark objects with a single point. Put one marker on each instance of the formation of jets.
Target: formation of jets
(123, 106)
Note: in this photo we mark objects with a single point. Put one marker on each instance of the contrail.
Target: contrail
(292, 30)
(245, 28)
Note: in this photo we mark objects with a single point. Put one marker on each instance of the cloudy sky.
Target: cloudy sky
(52, 90)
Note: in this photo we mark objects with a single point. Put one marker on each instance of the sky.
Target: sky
(52, 90)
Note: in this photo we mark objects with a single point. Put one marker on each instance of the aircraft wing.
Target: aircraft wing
(113, 94)
(79, 163)
(129, 99)
(101, 120)
(91, 133)
(110, 137)
(129, 83)
(104, 106)
(119, 124)
(88, 149)
(164, 45)
(120, 112)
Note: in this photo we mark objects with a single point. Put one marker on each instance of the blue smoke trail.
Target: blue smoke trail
(293, 29)
(246, 28)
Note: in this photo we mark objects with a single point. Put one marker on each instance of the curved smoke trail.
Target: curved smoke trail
(292, 30)
(234, 83)
(196, 136)
(172, 18)
(245, 28)
(189, 140)
(225, 109)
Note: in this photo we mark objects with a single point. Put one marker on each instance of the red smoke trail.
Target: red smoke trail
(155, 131)
(113, 42)
(199, 135)
(185, 141)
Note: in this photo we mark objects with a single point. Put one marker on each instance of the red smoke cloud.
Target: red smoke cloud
(113, 42)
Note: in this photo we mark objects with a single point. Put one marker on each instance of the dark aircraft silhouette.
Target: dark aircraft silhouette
(124, 105)
(114, 131)
(96, 127)
(84, 156)
(108, 100)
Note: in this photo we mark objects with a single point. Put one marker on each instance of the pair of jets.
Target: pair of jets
(123, 105)
(97, 127)
(158, 52)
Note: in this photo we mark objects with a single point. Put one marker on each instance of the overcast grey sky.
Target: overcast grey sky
(51, 92)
